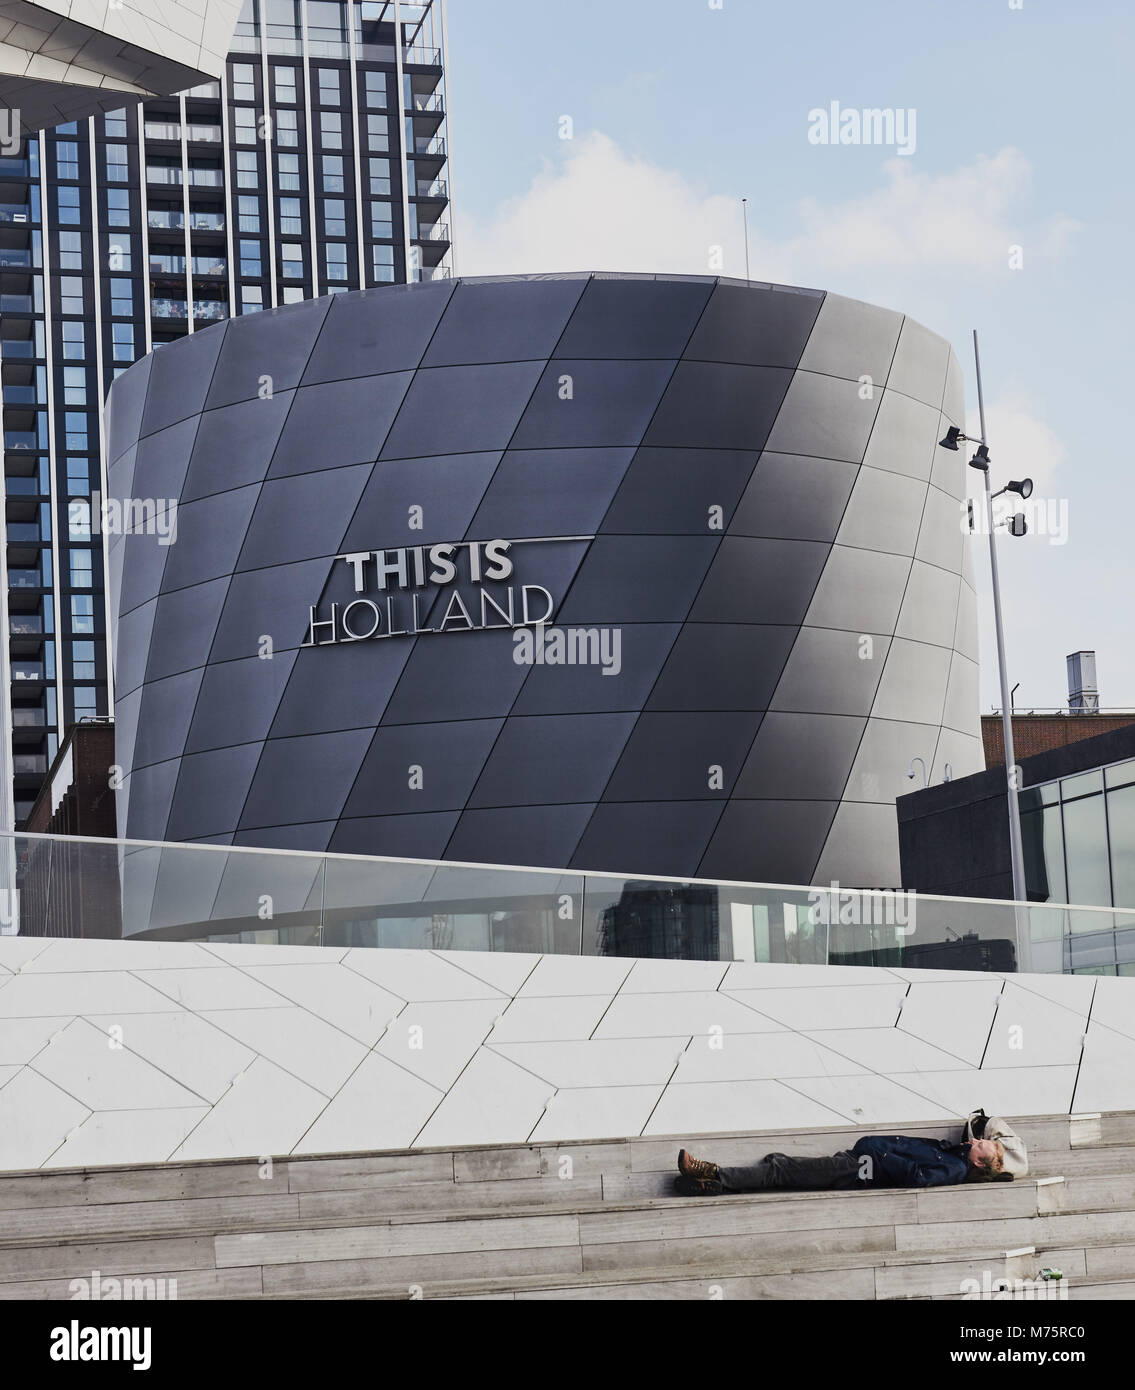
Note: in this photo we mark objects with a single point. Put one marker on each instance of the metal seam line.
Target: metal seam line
(55, 549)
(100, 377)
(308, 72)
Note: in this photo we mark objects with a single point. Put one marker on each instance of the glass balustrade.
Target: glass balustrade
(215, 893)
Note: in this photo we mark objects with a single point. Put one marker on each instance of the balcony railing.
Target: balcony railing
(14, 257)
(166, 130)
(160, 174)
(25, 625)
(15, 212)
(16, 304)
(22, 487)
(424, 57)
(179, 309)
(438, 188)
(27, 671)
(430, 146)
(22, 532)
(209, 265)
(160, 220)
(20, 395)
(28, 719)
(167, 265)
(20, 439)
(17, 347)
(25, 579)
(206, 178)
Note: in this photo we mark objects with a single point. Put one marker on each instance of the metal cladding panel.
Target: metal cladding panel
(61, 60)
(727, 613)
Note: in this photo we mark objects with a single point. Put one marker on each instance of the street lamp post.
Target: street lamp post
(1018, 527)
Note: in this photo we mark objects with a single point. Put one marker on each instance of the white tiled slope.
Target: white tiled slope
(118, 1052)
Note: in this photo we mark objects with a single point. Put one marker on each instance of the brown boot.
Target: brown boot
(691, 1167)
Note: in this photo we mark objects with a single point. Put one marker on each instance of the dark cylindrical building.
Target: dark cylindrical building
(660, 575)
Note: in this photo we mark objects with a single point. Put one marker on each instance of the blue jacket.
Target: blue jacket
(899, 1161)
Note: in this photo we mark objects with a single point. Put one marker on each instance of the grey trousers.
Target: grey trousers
(799, 1174)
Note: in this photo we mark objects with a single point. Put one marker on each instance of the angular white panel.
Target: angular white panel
(213, 987)
(955, 1017)
(97, 1067)
(1111, 1003)
(35, 1118)
(265, 1111)
(79, 955)
(202, 1058)
(598, 1062)
(606, 1112)
(436, 1041)
(1106, 1071)
(1005, 1091)
(493, 1102)
(877, 1006)
(419, 976)
(549, 1020)
(746, 975)
(880, 1050)
(22, 1038)
(89, 992)
(18, 951)
(760, 1056)
(336, 995)
(576, 975)
(1033, 1032)
(504, 970)
(873, 1100)
(127, 1136)
(680, 1014)
(722, 1106)
(297, 1041)
(381, 1106)
(664, 976)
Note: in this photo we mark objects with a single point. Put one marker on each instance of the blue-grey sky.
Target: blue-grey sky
(679, 108)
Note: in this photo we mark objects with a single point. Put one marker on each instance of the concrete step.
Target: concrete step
(580, 1220)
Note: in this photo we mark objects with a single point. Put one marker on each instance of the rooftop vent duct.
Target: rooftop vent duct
(1083, 695)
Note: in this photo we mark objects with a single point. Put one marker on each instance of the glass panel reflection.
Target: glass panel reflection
(68, 886)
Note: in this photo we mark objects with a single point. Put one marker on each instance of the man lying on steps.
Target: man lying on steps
(988, 1150)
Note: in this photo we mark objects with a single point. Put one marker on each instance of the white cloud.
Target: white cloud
(600, 209)
(596, 207)
(1021, 445)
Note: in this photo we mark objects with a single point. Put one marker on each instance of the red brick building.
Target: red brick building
(1040, 733)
